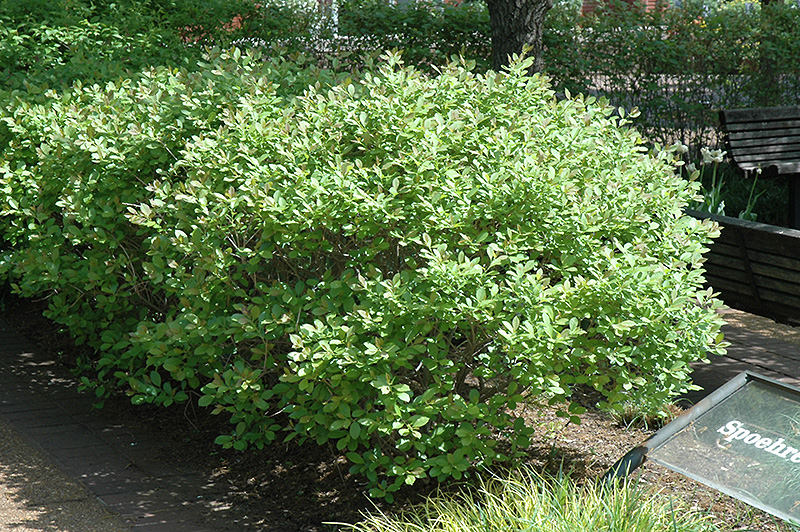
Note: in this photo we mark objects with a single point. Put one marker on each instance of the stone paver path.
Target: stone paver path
(757, 344)
(36, 495)
(40, 403)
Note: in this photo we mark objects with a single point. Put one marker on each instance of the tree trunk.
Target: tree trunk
(769, 77)
(517, 25)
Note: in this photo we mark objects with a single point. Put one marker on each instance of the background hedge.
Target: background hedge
(679, 65)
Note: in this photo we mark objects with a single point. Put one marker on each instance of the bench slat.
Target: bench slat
(776, 151)
(758, 146)
(789, 136)
(760, 113)
(789, 169)
(762, 125)
(766, 160)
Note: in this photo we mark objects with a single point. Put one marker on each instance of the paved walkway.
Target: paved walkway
(758, 345)
(120, 481)
(37, 495)
(67, 467)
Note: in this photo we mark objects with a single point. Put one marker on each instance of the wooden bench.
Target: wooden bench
(767, 138)
(755, 267)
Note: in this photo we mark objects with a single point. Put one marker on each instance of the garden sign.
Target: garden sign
(742, 440)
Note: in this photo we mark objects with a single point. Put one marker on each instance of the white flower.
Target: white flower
(710, 156)
(691, 168)
(680, 148)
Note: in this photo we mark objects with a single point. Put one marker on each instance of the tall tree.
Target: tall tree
(517, 25)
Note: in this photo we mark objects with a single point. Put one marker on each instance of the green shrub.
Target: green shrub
(73, 165)
(389, 264)
(53, 43)
(41, 54)
(528, 501)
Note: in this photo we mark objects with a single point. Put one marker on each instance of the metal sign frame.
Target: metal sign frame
(637, 456)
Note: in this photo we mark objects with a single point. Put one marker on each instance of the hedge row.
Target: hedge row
(52, 43)
(390, 263)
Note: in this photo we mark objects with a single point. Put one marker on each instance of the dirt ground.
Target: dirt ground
(300, 488)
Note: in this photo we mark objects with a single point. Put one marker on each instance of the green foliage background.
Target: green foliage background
(429, 33)
(678, 66)
(49, 44)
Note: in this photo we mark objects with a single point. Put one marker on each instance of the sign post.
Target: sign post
(742, 440)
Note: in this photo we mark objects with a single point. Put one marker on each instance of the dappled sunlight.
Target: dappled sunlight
(36, 495)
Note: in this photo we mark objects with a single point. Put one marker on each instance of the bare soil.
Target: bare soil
(290, 487)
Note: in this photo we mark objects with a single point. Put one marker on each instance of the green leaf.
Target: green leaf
(206, 400)
(420, 421)
(355, 458)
